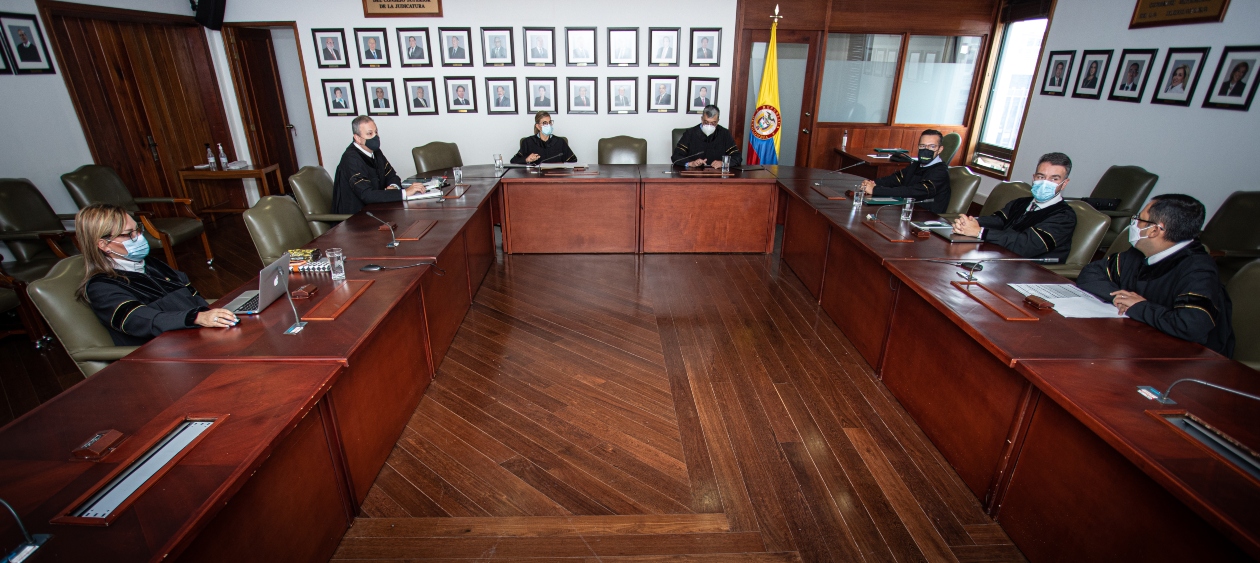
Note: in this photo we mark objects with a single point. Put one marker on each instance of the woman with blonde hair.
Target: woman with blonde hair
(136, 299)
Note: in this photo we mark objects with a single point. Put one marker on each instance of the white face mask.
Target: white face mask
(1135, 233)
(708, 129)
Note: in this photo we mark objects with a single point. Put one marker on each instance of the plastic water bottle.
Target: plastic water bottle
(223, 161)
(210, 157)
(908, 209)
(844, 141)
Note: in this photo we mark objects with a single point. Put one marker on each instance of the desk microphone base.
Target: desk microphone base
(296, 328)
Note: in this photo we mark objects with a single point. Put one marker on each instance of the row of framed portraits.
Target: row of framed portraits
(538, 47)
(582, 95)
(23, 50)
(1233, 84)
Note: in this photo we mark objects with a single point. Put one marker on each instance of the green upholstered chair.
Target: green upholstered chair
(1231, 235)
(313, 189)
(93, 183)
(963, 184)
(436, 156)
(1244, 291)
(1002, 194)
(76, 326)
(1121, 244)
(951, 143)
(1131, 185)
(276, 225)
(36, 239)
(1091, 225)
(622, 150)
(8, 302)
(676, 136)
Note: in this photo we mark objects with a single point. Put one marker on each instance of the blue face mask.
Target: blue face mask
(137, 249)
(546, 130)
(1044, 190)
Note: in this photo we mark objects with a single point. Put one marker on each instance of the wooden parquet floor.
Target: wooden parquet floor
(662, 408)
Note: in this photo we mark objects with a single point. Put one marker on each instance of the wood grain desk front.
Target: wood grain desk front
(552, 212)
(707, 214)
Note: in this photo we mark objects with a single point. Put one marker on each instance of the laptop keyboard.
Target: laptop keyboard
(250, 305)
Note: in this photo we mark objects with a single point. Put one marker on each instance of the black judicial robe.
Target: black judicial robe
(711, 147)
(1184, 295)
(1044, 233)
(553, 150)
(136, 307)
(362, 180)
(919, 182)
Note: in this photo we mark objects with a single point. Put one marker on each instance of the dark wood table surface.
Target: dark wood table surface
(858, 161)
(477, 192)
(593, 173)
(471, 171)
(360, 236)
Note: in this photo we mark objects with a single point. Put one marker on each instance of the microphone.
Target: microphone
(377, 268)
(542, 160)
(875, 216)
(393, 242)
(298, 323)
(1154, 394)
(973, 267)
(686, 157)
(859, 163)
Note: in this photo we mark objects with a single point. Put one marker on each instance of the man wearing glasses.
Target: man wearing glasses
(1167, 280)
(543, 147)
(1033, 227)
(926, 179)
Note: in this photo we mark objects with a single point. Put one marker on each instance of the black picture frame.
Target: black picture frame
(693, 86)
(1193, 60)
(405, 58)
(452, 83)
(654, 97)
(1122, 90)
(622, 41)
(573, 88)
(619, 87)
(534, 37)
(1054, 61)
(488, 56)
(697, 37)
(508, 83)
(320, 37)
(531, 94)
(657, 54)
(1084, 87)
(347, 86)
(449, 55)
(6, 58)
(429, 86)
(362, 36)
(389, 102)
(25, 57)
(579, 41)
(1221, 90)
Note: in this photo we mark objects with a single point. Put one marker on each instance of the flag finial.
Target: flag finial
(776, 17)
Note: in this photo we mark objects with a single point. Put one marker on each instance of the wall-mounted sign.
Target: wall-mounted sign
(402, 8)
(1151, 13)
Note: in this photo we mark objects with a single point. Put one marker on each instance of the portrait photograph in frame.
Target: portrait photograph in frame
(421, 95)
(461, 94)
(496, 47)
(6, 66)
(663, 46)
(1058, 73)
(24, 43)
(583, 95)
(662, 94)
(413, 47)
(378, 96)
(1092, 74)
(701, 92)
(501, 96)
(539, 44)
(330, 48)
(542, 95)
(454, 44)
(1179, 77)
(1131, 75)
(706, 46)
(579, 46)
(623, 95)
(373, 47)
(623, 46)
(1234, 83)
(339, 97)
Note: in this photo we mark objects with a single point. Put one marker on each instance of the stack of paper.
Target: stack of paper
(1070, 301)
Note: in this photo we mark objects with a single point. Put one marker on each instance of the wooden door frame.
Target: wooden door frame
(809, 96)
(238, 83)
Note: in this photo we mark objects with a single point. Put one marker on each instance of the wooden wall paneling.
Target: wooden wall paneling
(827, 137)
(936, 17)
(797, 14)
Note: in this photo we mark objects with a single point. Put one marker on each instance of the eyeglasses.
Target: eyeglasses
(1137, 219)
(930, 147)
(132, 234)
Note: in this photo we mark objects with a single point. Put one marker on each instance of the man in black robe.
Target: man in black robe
(543, 147)
(1033, 227)
(1167, 280)
(364, 175)
(926, 179)
(706, 144)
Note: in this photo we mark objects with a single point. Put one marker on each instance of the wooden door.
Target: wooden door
(261, 95)
(808, 88)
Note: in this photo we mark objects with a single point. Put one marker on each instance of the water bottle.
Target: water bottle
(726, 163)
(223, 161)
(210, 157)
(844, 141)
(908, 209)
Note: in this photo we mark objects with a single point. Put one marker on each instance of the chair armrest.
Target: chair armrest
(183, 200)
(52, 240)
(1235, 253)
(103, 353)
(30, 235)
(330, 217)
(149, 227)
(67, 216)
(1117, 213)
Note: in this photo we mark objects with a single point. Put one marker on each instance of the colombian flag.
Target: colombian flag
(763, 132)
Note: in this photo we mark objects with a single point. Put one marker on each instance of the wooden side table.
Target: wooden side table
(870, 167)
(258, 173)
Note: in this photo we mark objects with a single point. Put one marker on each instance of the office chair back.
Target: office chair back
(276, 225)
(313, 190)
(82, 335)
(1003, 194)
(1233, 225)
(963, 184)
(951, 143)
(1131, 185)
(436, 156)
(1244, 291)
(676, 136)
(23, 208)
(1091, 225)
(93, 183)
(622, 150)
(1121, 244)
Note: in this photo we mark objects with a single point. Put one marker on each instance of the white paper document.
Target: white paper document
(559, 165)
(1070, 301)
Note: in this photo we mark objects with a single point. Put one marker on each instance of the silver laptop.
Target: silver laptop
(945, 231)
(273, 282)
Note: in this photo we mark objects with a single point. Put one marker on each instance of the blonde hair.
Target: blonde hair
(93, 223)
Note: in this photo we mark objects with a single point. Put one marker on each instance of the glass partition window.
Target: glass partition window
(936, 81)
(1008, 94)
(858, 77)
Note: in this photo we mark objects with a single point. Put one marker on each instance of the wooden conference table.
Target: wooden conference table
(1039, 417)
(863, 164)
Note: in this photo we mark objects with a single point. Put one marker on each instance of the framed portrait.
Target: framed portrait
(1131, 75)
(623, 95)
(701, 92)
(461, 96)
(25, 44)
(579, 46)
(413, 47)
(1091, 75)
(663, 46)
(421, 94)
(662, 94)
(373, 49)
(454, 44)
(1234, 82)
(330, 48)
(583, 95)
(501, 96)
(496, 47)
(378, 96)
(6, 67)
(623, 46)
(540, 46)
(1180, 75)
(339, 97)
(706, 46)
(1058, 73)
(542, 94)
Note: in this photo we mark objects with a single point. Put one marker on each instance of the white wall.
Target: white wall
(1204, 152)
